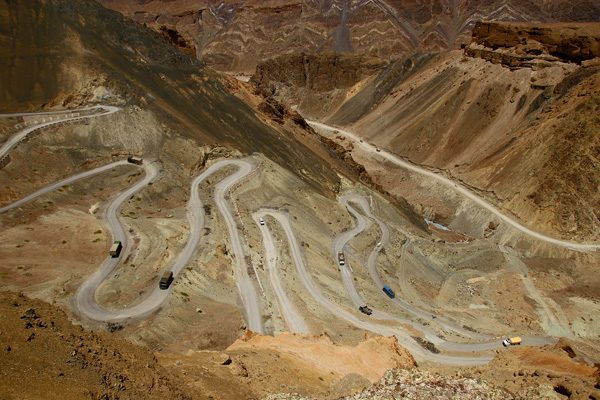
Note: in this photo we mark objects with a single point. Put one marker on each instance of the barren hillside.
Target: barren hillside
(513, 115)
(237, 35)
(207, 241)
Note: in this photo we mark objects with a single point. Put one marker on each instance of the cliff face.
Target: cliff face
(568, 42)
(237, 35)
(514, 115)
(315, 83)
(320, 72)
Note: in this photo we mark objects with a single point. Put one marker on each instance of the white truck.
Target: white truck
(115, 249)
(513, 341)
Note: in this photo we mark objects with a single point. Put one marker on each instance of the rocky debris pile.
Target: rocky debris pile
(43, 355)
(415, 384)
(540, 373)
(525, 44)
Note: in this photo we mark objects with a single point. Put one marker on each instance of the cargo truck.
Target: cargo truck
(513, 341)
(388, 290)
(166, 280)
(341, 259)
(365, 310)
(115, 249)
(134, 160)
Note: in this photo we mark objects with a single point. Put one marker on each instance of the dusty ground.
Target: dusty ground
(263, 364)
(44, 356)
(494, 281)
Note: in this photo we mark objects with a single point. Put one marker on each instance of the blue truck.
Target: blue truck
(388, 290)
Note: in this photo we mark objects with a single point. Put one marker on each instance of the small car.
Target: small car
(261, 221)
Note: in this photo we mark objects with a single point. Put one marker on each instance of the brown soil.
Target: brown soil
(570, 42)
(543, 372)
(43, 355)
(238, 35)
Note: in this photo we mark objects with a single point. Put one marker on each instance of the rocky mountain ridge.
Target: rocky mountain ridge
(237, 35)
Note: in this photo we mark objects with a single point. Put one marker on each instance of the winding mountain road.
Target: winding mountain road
(86, 301)
(459, 353)
(17, 137)
(371, 265)
(85, 298)
(56, 185)
(294, 320)
(246, 287)
(401, 334)
(585, 247)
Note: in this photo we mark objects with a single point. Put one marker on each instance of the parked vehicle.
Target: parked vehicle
(388, 290)
(135, 160)
(341, 259)
(115, 249)
(513, 341)
(166, 280)
(365, 310)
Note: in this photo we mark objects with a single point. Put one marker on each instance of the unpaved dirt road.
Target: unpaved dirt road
(294, 320)
(460, 353)
(403, 336)
(459, 188)
(246, 287)
(85, 299)
(86, 295)
(64, 182)
(52, 118)
(371, 265)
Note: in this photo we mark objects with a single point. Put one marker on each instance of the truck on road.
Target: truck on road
(388, 290)
(365, 310)
(135, 160)
(166, 280)
(341, 259)
(513, 341)
(115, 249)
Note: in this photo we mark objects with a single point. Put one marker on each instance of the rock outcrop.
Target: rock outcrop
(43, 355)
(565, 42)
(370, 358)
(238, 35)
(317, 72)
(420, 385)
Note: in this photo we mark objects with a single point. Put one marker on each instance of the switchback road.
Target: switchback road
(459, 188)
(401, 334)
(195, 213)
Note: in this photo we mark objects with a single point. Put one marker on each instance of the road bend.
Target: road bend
(340, 242)
(363, 203)
(245, 285)
(401, 334)
(294, 320)
(85, 299)
(369, 148)
(69, 116)
(57, 185)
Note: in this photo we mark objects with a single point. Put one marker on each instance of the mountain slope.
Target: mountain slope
(97, 55)
(514, 122)
(258, 30)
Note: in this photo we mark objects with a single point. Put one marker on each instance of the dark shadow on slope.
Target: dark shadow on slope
(140, 63)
